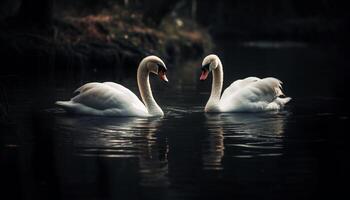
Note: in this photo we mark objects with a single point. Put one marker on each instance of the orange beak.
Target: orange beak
(204, 75)
(162, 76)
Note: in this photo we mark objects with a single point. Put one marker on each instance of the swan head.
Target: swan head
(209, 63)
(155, 65)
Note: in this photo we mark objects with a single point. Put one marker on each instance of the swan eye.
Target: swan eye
(162, 72)
(161, 68)
(206, 67)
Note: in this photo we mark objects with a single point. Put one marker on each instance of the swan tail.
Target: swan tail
(278, 103)
(284, 101)
(78, 108)
(69, 106)
(274, 85)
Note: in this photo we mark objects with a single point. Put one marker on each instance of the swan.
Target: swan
(112, 99)
(251, 94)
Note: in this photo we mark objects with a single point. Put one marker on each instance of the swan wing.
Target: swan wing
(116, 86)
(132, 96)
(123, 89)
(86, 87)
(100, 96)
(253, 96)
(237, 85)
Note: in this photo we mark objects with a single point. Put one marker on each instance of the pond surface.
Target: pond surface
(297, 153)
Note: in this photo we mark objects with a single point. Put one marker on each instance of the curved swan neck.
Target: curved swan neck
(216, 87)
(145, 90)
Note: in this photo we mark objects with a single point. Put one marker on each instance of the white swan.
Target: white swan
(251, 94)
(112, 99)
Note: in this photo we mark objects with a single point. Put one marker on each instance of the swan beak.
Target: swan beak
(163, 77)
(204, 75)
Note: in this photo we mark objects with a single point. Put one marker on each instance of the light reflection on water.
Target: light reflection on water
(247, 135)
(170, 155)
(118, 138)
(243, 135)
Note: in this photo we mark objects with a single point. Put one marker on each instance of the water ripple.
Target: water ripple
(122, 138)
(244, 135)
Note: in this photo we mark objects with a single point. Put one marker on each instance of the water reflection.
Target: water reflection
(244, 135)
(214, 146)
(124, 141)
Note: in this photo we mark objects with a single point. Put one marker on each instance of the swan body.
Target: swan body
(251, 94)
(112, 99)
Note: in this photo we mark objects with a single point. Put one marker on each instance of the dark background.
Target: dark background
(46, 52)
(291, 19)
(34, 29)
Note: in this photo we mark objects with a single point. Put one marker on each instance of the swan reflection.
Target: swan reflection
(243, 135)
(268, 123)
(117, 138)
(214, 145)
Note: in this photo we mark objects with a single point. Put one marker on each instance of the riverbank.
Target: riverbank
(82, 46)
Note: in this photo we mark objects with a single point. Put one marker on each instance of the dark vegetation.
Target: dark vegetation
(87, 36)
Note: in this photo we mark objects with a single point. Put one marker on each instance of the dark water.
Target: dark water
(297, 153)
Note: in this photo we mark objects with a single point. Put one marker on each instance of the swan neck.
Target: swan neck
(146, 92)
(216, 88)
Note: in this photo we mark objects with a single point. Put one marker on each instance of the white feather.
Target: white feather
(253, 95)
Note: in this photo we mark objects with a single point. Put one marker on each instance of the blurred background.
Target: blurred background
(81, 39)
(76, 34)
